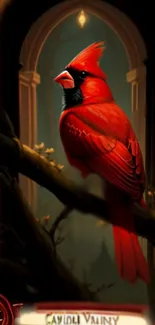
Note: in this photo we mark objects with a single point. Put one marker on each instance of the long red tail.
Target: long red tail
(130, 260)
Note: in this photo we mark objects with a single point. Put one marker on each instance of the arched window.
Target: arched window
(29, 77)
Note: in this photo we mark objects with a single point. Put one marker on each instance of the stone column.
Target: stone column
(28, 81)
(137, 78)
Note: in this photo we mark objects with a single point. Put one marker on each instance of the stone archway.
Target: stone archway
(29, 78)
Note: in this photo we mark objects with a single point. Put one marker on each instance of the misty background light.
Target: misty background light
(82, 19)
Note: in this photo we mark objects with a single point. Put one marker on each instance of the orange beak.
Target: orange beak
(65, 80)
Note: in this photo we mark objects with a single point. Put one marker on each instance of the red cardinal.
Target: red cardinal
(98, 138)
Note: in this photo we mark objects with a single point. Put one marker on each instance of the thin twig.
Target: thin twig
(63, 215)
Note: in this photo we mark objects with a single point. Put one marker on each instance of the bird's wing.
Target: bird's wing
(101, 153)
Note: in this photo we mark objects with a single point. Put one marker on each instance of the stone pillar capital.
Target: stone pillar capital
(137, 74)
(29, 77)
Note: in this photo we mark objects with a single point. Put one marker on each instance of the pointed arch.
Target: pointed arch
(117, 20)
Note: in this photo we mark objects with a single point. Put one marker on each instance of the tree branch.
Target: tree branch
(63, 215)
(40, 171)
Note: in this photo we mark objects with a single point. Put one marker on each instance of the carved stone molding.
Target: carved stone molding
(136, 74)
(137, 78)
(28, 80)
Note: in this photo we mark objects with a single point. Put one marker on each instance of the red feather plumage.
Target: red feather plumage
(98, 138)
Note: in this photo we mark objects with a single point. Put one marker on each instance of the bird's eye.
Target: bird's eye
(83, 73)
